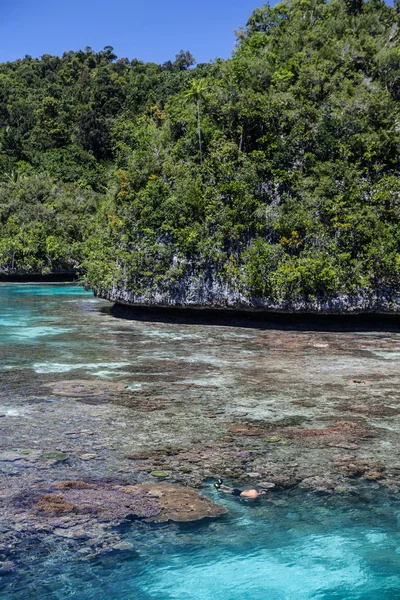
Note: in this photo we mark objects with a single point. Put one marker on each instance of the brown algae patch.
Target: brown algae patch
(83, 387)
(178, 503)
(352, 467)
(341, 431)
(82, 504)
(246, 430)
(370, 410)
(54, 504)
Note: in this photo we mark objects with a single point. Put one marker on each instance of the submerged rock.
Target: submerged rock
(20, 455)
(373, 475)
(351, 467)
(159, 474)
(57, 456)
(54, 504)
(283, 481)
(123, 546)
(77, 485)
(6, 567)
(318, 484)
(83, 387)
(146, 455)
(74, 533)
(246, 429)
(178, 503)
(78, 510)
(341, 431)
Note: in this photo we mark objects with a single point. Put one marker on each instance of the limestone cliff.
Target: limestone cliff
(208, 292)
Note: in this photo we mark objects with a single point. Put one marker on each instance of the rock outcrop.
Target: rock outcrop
(79, 501)
(209, 291)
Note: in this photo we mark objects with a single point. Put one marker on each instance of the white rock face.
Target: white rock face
(209, 291)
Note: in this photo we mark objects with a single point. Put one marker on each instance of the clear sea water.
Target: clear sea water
(289, 546)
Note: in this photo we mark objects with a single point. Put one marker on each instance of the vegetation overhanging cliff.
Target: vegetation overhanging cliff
(270, 180)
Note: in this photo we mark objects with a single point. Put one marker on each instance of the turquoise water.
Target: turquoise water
(23, 315)
(40, 330)
(291, 545)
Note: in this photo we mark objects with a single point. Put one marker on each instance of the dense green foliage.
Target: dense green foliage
(64, 125)
(277, 172)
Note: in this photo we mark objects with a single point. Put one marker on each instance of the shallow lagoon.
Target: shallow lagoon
(292, 545)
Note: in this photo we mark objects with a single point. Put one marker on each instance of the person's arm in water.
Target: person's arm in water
(223, 488)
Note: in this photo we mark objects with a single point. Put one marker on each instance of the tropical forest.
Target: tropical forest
(272, 175)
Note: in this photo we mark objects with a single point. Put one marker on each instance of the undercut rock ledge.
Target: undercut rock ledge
(209, 293)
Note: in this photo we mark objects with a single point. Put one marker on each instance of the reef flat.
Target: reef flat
(106, 421)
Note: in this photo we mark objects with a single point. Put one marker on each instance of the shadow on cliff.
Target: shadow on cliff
(63, 277)
(257, 319)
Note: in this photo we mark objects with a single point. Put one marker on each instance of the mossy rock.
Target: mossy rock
(184, 470)
(291, 421)
(272, 440)
(145, 455)
(169, 450)
(82, 387)
(160, 474)
(60, 456)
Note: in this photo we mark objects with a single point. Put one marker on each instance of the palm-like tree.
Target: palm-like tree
(196, 93)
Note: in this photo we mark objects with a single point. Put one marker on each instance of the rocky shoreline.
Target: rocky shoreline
(207, 290)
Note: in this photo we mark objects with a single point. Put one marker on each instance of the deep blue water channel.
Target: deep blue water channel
(289, 546)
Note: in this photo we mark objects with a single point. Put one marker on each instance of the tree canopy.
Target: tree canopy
(275, 172)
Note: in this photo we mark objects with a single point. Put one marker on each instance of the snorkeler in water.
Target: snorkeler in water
(252, 494)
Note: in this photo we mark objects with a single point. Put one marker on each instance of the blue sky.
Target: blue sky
(152, 30)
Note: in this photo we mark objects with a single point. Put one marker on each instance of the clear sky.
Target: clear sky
(152, 30)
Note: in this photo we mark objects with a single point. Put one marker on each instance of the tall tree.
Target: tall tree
(196, 93)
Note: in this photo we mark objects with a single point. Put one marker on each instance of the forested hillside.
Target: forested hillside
(63, 122)
(270, 177)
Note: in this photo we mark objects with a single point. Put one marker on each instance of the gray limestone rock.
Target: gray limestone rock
(6, 567)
